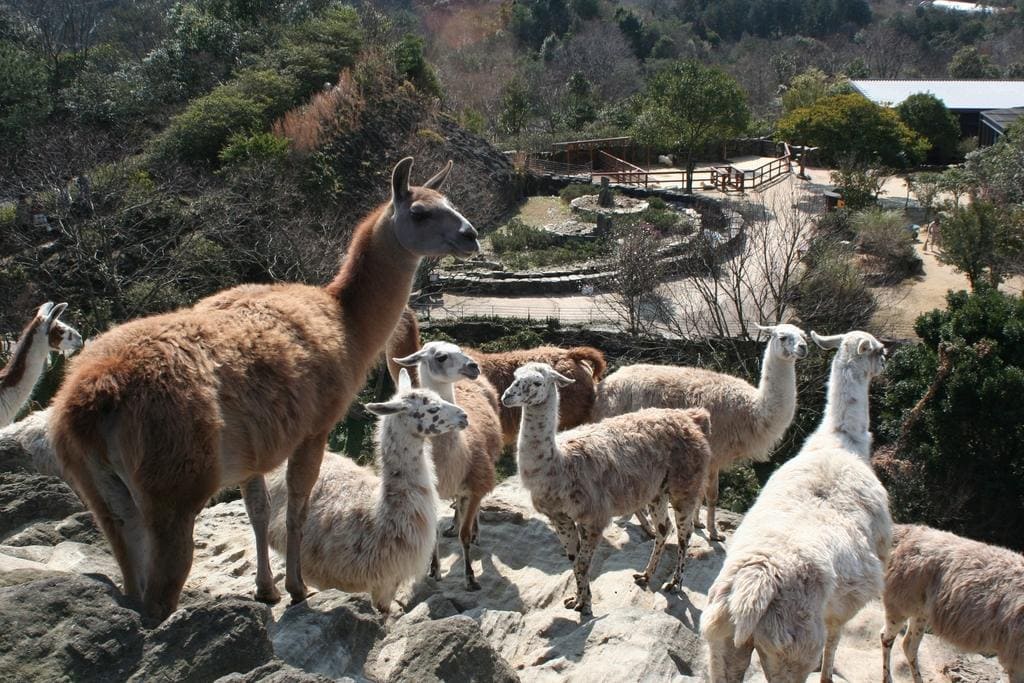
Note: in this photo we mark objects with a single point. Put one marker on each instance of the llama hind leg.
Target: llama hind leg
(114, 509)
(658, 509)
(889, 632)
(581, 602)
(644, 523)
(468, 513)
(452, 529)
(257, 505)
(828, 657)
(684, 530)
(303, 469)
(711, 500)
(170, 559)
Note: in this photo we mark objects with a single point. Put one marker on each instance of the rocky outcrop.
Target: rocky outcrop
(62, 615)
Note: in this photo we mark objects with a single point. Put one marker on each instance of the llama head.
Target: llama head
(786, 341)
(420, 412)
(424, 220)
(59, 336)
(856, 350)
(444, 362)
(533, 385)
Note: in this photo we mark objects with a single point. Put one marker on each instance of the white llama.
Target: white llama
(810, 552)
(748, 420)
(367, 532)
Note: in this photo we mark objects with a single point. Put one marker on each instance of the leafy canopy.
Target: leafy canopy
(927, 116)
(853, 127)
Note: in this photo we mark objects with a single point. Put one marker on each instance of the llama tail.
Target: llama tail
(754, 587)
(591, 357)
(80, 407)
(715, 624)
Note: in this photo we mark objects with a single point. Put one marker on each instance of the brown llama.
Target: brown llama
(160, 413)
(583, 364)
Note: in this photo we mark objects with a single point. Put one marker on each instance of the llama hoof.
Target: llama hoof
(669, 587)
(698, 525)
(298, 599)
(434, 574)
(570, 602)
(641, 579)
(472, 584)
(270, 596)
(715, 536)
(450, 531)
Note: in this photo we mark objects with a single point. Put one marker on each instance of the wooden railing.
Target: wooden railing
(724, 178)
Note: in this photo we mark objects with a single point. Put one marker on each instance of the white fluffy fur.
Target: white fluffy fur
(32, 434)
(968, 593)
(748, 420)
(370, 533)
(464, 460)
(582, 477)
(810, 552)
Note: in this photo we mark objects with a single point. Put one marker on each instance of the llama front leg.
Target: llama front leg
(453, 529)
(303, 469)
(589, 538)
(911, 642)
(711, 500)
(828, 657)
(434, 571)
(684, 530)
(658, 509)
(468, 511)
(568, 535)
(170, 558)
(257, 505)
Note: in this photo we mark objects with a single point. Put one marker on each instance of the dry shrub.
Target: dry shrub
(329, 111)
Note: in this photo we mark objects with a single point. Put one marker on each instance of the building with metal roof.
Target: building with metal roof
(995, 122)
(966, 99)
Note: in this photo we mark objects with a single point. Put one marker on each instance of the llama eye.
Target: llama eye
(536, 384)
(442, 357)
(419, 212)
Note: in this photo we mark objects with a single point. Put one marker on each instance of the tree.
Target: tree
(24, 101)
(982, 241)
(969, 371)
(926, 115)
(515, 108)
(926, 187)
(637, 276)
(412, 64)
(855, 128)
(999, 169)
(968, 63)
(687, 106)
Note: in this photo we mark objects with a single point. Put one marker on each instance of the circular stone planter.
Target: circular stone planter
(587, 208)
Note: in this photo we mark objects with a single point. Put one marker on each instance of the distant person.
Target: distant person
(931, 235)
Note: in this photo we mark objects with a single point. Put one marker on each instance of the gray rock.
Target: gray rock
(277, 672)
(331, 634)
(452, 650)
(68, 627)
(29, 498)
(218, 637)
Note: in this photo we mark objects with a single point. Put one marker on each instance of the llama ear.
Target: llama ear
(864, 346)
(383, 409)
(44, 310)
(765, 328)
(400, 180)
(404, 380)
(832, 342)
(412, 360)
(55, 312)
(435, 182)
(561, 380)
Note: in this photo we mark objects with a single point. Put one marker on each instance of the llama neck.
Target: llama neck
(19, 376)
(537, 433)
(373, 284)
(846, 412)
(404, 471)
(776, 391)
(445, 390)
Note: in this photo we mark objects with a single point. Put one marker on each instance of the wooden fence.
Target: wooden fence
(724, 178)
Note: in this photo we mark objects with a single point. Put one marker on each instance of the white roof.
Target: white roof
(954, 94)
(956, 6)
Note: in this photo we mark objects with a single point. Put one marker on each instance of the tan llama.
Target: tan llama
(160, 413)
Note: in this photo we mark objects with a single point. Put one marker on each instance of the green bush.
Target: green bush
(242, 106)
(571, 192)
(960, 465)
(883, 234)
(260, 147)
(517, 236)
